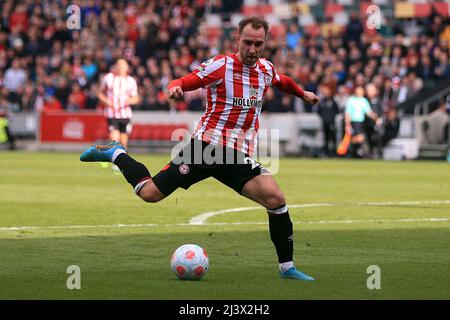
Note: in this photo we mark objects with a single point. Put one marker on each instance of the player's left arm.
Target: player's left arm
(134, 100)
(288, 85)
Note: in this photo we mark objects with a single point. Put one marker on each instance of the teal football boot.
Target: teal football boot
(293, 273)
(101, 153)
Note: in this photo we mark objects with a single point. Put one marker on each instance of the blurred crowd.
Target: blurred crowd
(46, 66)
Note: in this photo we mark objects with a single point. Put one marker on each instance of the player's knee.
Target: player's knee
(276, 200)
(150, 194)
(152, 197)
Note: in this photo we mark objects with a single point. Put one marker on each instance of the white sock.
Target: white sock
(280, 210)
(286, 266)
(116, 154)
(139, 186)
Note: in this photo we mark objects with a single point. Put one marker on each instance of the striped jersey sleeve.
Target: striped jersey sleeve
(211, 71)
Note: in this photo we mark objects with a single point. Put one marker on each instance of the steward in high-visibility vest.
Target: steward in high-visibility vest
(3, 132)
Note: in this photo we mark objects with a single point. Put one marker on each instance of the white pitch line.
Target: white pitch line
(403, 203)
(121, 226)
(79, 227)
(201, 218)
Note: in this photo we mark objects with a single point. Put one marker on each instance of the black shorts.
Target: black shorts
(200, 160)
(123, 125)
(357, 128)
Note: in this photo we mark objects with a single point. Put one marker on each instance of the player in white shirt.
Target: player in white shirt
(118, 92)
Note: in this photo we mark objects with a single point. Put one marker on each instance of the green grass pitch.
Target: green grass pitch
(57, 212)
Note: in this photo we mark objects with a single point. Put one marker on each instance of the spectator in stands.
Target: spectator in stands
(28, 97)
(293, 36)
(354, 30)
(14, 80)
(19, 18)
(51, 103)
(77, 98)
(39, 99)
(89, 68)
(62, 90)
(146, 31)
(91, 97)
(442, 69)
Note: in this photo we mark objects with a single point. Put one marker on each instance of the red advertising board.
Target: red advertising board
(72, 127)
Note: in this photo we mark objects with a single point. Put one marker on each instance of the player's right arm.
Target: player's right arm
(208, 73)
(177, 87)
(100, 93)
(101, 96)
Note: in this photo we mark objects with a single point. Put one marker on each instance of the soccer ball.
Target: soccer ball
(189, 262)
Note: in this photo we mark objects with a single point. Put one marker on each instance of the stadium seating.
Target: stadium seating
(332, 8)
(278, 30)
(420, 10)
(259, 10)
(441, 8)
(306, 19)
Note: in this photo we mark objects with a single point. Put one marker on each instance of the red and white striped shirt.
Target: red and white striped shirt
(235, 94)
(118, 90)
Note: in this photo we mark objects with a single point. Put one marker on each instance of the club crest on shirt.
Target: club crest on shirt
(267, 79)
(183, 168)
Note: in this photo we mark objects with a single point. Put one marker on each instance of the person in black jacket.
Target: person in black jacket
(327, 109)
(372, 132)
(391, 126)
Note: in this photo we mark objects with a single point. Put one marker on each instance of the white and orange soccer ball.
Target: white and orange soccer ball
(189, 262)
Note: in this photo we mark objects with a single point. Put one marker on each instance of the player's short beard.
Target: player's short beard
(253, 59)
